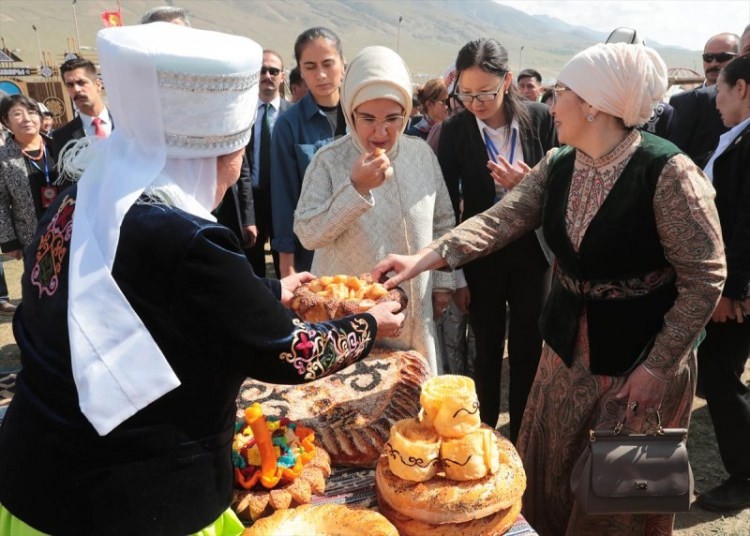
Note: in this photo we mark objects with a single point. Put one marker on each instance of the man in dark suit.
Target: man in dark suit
(85, 90)
(696, 125)
(270, 105)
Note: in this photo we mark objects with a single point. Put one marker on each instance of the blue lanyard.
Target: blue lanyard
(46, 168)
(492, 148)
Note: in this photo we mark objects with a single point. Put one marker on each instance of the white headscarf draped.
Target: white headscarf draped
(620, 79)
(375, 73)
(181, 97)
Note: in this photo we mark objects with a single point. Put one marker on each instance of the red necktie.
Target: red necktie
(98, 129)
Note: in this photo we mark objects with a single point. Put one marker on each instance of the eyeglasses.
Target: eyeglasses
(20, 114)
(273, 71)
(391, 122)
(719, 57)
(485, 96)
(556, 91)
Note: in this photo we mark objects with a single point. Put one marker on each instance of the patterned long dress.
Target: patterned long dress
(565, 403)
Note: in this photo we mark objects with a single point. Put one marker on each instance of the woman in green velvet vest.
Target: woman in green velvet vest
(639, 268)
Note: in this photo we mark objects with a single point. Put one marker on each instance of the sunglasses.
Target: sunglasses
(720, 57)
(273, 71)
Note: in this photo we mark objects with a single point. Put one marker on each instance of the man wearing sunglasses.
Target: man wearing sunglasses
(719, 50)
(697, 125)
(270, 105)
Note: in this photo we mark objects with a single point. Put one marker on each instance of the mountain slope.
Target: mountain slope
(428, 37)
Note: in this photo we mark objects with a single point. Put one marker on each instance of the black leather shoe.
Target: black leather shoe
(732, 494)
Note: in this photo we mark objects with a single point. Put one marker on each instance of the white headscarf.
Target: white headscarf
(181, 97)
(623, 80)
(375, 73)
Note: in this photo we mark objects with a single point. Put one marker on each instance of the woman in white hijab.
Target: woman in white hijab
(375, 191)
(141, 316)
(639, 268)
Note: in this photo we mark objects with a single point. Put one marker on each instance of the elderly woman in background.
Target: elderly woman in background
(27, 174)
(433, 99)
(639, 269)
(356, 204)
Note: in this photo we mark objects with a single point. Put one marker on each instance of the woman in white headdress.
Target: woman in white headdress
(374, 191)
(639, 268)
(141, 316)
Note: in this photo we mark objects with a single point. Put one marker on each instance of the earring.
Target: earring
(590, 118)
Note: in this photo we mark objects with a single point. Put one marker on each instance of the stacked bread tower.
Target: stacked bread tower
(445, 473)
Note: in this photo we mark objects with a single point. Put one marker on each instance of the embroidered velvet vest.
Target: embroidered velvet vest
(620, 276)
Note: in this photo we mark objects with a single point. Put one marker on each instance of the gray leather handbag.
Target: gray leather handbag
(634, 473)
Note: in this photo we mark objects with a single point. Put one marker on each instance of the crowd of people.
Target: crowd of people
(595, 234)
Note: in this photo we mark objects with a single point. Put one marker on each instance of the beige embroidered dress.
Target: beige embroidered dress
(351, 233)
(565, 403)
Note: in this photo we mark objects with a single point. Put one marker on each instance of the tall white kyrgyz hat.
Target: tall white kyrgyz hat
(180, 98)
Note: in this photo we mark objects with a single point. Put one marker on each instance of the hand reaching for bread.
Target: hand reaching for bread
(370, 171)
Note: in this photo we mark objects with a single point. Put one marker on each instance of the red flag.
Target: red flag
(111, 18)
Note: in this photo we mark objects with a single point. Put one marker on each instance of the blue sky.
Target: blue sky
(685, 23)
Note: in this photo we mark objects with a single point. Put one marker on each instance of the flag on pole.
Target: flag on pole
(111, 18)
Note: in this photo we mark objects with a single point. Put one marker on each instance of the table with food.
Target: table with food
(380, 448)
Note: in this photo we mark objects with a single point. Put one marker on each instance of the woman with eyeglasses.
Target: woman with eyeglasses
(639, 268)
(375, 191)
(433, 98)
(313, 122)
(484, 151)
(28, 174)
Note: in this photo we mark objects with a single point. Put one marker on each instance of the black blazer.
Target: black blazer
(237, 208)
(463, 157)
(732, 182)
(264, 185)
(72, 130)
(696, 125)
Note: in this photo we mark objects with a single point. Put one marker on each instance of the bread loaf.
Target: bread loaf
(323, 520)
(353, 410)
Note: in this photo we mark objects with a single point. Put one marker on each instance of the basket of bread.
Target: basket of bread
(332, 297)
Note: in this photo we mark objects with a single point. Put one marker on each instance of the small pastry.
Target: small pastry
(413, 450)
(450, 405)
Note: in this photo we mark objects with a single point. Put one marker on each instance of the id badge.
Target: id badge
(49, 193)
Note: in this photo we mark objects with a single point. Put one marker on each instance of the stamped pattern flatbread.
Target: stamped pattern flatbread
(351, 411)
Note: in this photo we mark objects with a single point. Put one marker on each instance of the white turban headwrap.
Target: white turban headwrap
(180, 97)
(623, 80)
(375, 73)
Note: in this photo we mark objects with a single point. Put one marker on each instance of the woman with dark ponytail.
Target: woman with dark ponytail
(723, 354)
(484, 152)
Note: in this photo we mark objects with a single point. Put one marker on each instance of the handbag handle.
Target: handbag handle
(621, 424)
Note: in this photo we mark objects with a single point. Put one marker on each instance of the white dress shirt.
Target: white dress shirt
(88, 123)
